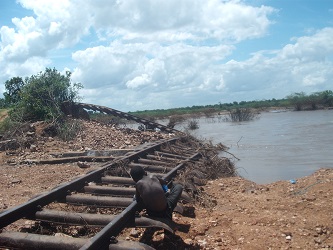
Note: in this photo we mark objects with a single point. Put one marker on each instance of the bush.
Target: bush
(69, 129)
(42, 95)
(7, 126)
(175, 119)
(40, 98)
(242, 114)
(193, 124)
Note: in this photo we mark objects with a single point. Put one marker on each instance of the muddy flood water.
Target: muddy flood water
(278, 145)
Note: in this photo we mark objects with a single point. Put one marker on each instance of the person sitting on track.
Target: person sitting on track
(153, 194)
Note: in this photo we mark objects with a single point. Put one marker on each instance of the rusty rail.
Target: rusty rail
(154, 158)
(69, 107)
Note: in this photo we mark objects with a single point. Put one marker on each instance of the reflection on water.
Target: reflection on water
(277, 146)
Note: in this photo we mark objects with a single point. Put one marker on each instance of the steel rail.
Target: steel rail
(114, 227)
(111, 197)
(29, 208)
(125, 116)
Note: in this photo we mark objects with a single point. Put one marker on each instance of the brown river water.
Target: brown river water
(277, 146)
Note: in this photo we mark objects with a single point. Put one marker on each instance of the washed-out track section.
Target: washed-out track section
(149, 124)
(100, 202)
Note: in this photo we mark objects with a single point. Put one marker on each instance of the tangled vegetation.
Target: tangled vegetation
(211, 166)
(40, 98)
(192, 124)
(242, 114)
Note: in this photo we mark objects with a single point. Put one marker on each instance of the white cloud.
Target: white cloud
(158, 54)
(60, 24)
(160, 68)
(310, 48)
(304, 65)
(138, 81)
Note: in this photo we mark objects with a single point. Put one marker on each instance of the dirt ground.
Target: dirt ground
(280, 215)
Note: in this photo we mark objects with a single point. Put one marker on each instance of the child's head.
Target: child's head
(137, 173)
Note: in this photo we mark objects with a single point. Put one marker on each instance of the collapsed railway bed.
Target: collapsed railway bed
(240, 214)
(92, 211)
(96, 191)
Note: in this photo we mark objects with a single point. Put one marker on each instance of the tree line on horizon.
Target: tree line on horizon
(298, 101)
(40, 97)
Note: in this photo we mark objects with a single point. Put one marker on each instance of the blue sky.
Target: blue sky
(153, 54)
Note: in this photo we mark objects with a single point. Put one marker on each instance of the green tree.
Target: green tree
(313, 100)
(2, 103)
(298, 100)
(13, 90)
(326, 98)
(43, 94)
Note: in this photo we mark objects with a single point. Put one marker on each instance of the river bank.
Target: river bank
(237, 213)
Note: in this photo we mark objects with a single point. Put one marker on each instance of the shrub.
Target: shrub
(175, 119)
(193, 124)
(42, 95)
(69, 129)
(8, 126)
(40, 98)
(242, 114)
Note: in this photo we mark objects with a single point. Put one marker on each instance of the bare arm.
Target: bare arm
(139, 200)
(162, 181)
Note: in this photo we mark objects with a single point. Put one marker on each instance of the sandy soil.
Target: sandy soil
(245, 215)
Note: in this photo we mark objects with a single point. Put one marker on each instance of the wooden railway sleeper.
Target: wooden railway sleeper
(121, 191)
(151, 168)
(99, 220)
(153, 162)
(113, 228)
(35, 241)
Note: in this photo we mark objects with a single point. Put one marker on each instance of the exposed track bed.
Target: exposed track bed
(99, 205)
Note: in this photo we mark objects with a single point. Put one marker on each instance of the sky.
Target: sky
(151, 54)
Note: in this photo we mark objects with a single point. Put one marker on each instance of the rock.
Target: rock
(202, 242)
(29, 224)
(83, 164)
(317, 240)
(288, 237)
(33, 148)
(319, 230)
(15, 181)
(62, 235)
(188, 241)
(134, 233)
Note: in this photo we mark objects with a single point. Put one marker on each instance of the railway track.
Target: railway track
(98, 206)
(74, 109)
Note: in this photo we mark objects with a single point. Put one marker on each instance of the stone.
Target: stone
(83, 164)
(33, 148)
(188, 241)
(62, 235)
(319, 230)
(134, 233)
(15, 181)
